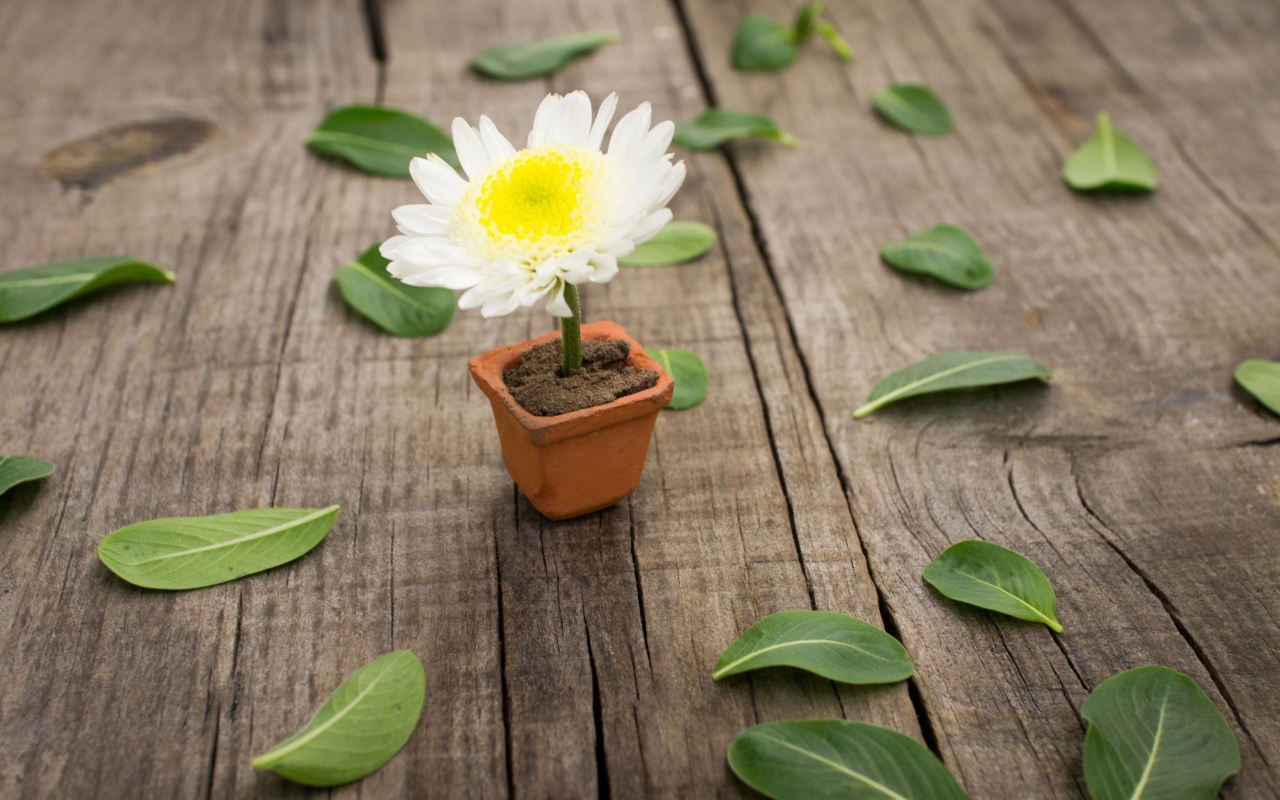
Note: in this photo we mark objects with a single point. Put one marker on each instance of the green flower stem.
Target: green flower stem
(571, 332)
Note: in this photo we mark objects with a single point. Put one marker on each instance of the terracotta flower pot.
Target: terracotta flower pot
(573, 464)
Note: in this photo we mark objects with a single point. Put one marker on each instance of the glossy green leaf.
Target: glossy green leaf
(396, 307)
(677, 243)
(518, 62)
(358, 729)
(1109, 161)
(689, 374)
(759, 43)
(990, 576)
(191, 552)
(944, 252)
(835, 646)
(831, 759)
(29, 291)
(1154, 735)
(913, 108)
(1262, 380)
(956, 369)
(20, 469)
(380, 140)
(715, 126)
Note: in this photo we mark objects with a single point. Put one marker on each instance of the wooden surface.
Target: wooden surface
(573, 659)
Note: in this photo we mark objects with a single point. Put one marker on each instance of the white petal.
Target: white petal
(452, 277)
(630, 132)
(544, 122)
(557, 306)
(671, 185)
(390, 246)
(437, 180)
(471, 152)
(494, 141)
(575, 260)
(573, 123)
(499, 307)
(422, 219)
(650, 227)
(657, 141)
(434, 251)
(619, 249)
(603, 117)
(606, 266)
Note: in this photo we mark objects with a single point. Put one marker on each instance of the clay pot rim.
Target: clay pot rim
(488, 368)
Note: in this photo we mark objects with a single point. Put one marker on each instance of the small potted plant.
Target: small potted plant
(575, 409)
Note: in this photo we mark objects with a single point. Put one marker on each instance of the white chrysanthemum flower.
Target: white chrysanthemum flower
(527, 222)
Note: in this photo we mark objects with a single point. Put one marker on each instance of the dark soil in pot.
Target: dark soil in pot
(536, 384)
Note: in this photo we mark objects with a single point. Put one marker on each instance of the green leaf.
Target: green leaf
(759, 43)
(20, 469)
(191, 552)
(1154, 735)
(956, 369)
(833, 759)
(26, 292)
(1109, 161)
(380, 140)
(689, 374)
(518, 62)
(945, 252)
(835, 646)
(358, 729)
(1262, 380)
(990, 576)
(838, 43)
(913, 108)
(396, 307)
(715, 126)
(675, 244)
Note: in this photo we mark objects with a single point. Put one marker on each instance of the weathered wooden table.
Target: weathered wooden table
(574, 659)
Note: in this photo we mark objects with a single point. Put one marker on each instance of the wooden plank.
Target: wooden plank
(612, 623)
(1225, 45)
(156, 401)
(252, 384)
(1124, 480)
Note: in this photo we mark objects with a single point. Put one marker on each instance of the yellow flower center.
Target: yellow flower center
(536, 194)
(537, 204)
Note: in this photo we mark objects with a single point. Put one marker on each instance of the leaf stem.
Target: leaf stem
(571, 332)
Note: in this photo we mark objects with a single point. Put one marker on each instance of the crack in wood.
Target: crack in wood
(375, 32)
(597, 716)
(635, 566)
(697, 59)
(1172, 612)
(502, 645)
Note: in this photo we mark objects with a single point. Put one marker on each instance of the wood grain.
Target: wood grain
(610, 624)
(566, 659)
(1141, 305)
(573, 659)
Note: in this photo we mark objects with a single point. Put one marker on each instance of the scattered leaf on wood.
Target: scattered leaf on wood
(956, 369)
(1109, 161)
(358, 729)
(518, 62)
(380, 140)
(835, 646)
(677, 243)
(989, 576)
(396, 307)
(192, 552)
(29, 291)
